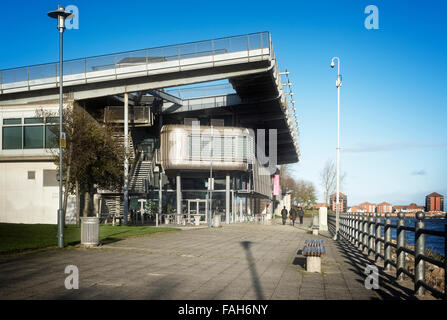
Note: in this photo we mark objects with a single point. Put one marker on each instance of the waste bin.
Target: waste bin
(90, 231)
(216, 220)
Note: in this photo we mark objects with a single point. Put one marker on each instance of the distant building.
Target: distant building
(356, 209)
(434, 202)
(343, 202)
(411, 208)
(317, 206)
(368, 207)
(384, 207)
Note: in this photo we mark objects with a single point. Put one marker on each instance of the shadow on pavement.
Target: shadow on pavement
(389, 288)
(252, 266)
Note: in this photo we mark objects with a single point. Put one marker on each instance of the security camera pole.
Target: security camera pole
(337, 210)
(60, 14)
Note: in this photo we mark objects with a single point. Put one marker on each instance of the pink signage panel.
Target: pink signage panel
(276, 185)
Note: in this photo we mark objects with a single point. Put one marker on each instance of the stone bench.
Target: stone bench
(313, 250)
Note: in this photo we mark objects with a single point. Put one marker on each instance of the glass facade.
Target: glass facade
(33, 137)
(32, 133)
(12, 138)
(50, 136)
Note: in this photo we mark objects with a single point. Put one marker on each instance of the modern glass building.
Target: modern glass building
(208, 124)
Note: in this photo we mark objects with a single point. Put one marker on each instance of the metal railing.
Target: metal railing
(364, 230)
(76, 70)
(137, 114)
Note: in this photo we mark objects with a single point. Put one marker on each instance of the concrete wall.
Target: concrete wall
(24, 200)
(285, 201)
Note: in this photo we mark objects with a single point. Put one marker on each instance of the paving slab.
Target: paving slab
(240, 261)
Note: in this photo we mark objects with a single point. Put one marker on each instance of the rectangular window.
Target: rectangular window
(33, 137)
(12, 138)
(52, 120)
(33, 120)
(12, 121)
(50, 178)
(51, 140)
(31, 175)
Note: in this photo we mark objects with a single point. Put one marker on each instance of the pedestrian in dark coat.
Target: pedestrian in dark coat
(301, 214)
(293, 216)
(284, 214)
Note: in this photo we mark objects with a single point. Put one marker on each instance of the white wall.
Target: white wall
(28, 201)
(285, 201)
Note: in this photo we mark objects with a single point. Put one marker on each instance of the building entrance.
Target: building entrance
(197, 210)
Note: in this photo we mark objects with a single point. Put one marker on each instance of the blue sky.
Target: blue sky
(393, 98)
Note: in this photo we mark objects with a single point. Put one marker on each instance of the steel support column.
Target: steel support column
(126, 157)
(227, 199)
(179, 196)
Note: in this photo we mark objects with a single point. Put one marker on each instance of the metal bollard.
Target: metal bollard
(368, 235)
(419, 263)
(357, 232)
(360, 231)
(366, 232)
(347, 225)
(350, 226)
(371, 234)
(378, 244)
(400, 246)
(387, 230)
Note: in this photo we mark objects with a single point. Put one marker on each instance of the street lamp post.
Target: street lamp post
(60, 14)
(337, 210)
(211, 183)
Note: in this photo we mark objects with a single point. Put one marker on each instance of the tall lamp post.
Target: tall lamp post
(211, 183)
(337, 210)
(60, 14)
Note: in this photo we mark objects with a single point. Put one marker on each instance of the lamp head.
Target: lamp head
(332, 64)
(60, 14)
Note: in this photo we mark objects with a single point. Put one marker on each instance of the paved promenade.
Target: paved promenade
(243, 261)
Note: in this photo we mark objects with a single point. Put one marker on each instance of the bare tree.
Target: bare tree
(93, 158)
(329, 179)
(305, 193)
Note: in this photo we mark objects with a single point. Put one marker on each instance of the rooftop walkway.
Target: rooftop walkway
(242, 261)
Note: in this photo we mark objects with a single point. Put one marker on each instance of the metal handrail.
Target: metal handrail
(363, 229)
(213, 47)
(159, 47)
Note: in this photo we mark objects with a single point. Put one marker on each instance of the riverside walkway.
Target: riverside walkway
(241, 261)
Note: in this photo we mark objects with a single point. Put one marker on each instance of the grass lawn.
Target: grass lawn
(18, 237)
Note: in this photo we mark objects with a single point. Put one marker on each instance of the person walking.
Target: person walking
(301, 214)
(292, 216)
(284, 214)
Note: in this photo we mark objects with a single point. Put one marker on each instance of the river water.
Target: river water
(436, 244)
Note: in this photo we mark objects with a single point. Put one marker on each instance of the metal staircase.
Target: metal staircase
(141, 174)
(115, 206)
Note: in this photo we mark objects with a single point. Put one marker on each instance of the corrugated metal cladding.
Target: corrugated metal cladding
(262, 181)
(185, 147)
